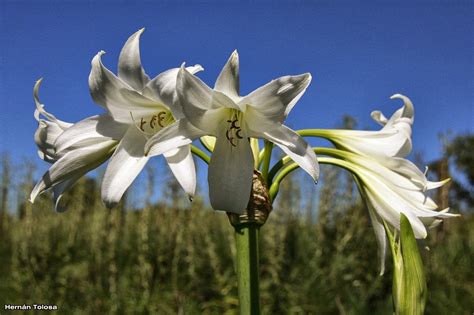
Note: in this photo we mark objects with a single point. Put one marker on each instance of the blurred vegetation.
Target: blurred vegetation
(318, 250)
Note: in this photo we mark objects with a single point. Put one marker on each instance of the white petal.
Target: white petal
(405, 168)
(228, 81)
(289, 141)
(176, 135)
(408, 108)
(230, 174)
(379, 117)
(389, 207)
(129, 65)
(209, 121)
(41, 111)
(386, 169)
(432, 222)
(402, 121)
(393, 140)
(389, 203)
(432, 185)
(275, 99)
(387, 143)
(45, 137)
(199, 101)
(48, 130)
(181, 164)
(59, 190)
(139, 104)
(401, 186)
(163, 88)
(403, 117)
(72, 164)
(124, 166)
(91, 130)
(108, 91)
(380, 236)
(193, 92)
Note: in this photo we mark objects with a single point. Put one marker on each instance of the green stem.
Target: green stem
(320, 133)
(267, 155)
(246, 239)
(275, 187)
(322, 151)
(275, 184)
(201, 154)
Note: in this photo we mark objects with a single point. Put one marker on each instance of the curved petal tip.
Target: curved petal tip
(197, 68)
(379, 117)
(407, 103)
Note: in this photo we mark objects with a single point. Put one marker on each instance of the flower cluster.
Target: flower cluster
(147, 117)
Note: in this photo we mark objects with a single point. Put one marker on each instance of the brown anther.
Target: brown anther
(229, 138)
(237, 133)
(153, 121)
(161, 117)
(142, 122)
(233, 124)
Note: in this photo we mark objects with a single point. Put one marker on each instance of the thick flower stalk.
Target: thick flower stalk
(222, 113)
(136, 108)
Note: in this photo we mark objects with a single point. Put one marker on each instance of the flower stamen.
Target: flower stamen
(142, 122)
(233, 130)
(155, 123)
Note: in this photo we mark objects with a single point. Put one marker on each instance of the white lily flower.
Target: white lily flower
(221, 112)
(390, 183)
(387, 146)
(389, 193)
(71, 163)
(137, 107)
(393, 140)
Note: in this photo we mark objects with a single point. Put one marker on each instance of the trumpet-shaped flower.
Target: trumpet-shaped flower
(393, 140)
(387, 146)
(389, 193)
(137, 107)
(221, 112)
(390, 183)
(74, 161)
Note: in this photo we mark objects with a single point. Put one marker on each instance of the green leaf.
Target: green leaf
(409, 283)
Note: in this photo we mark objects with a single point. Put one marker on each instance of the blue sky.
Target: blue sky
(358, 53)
